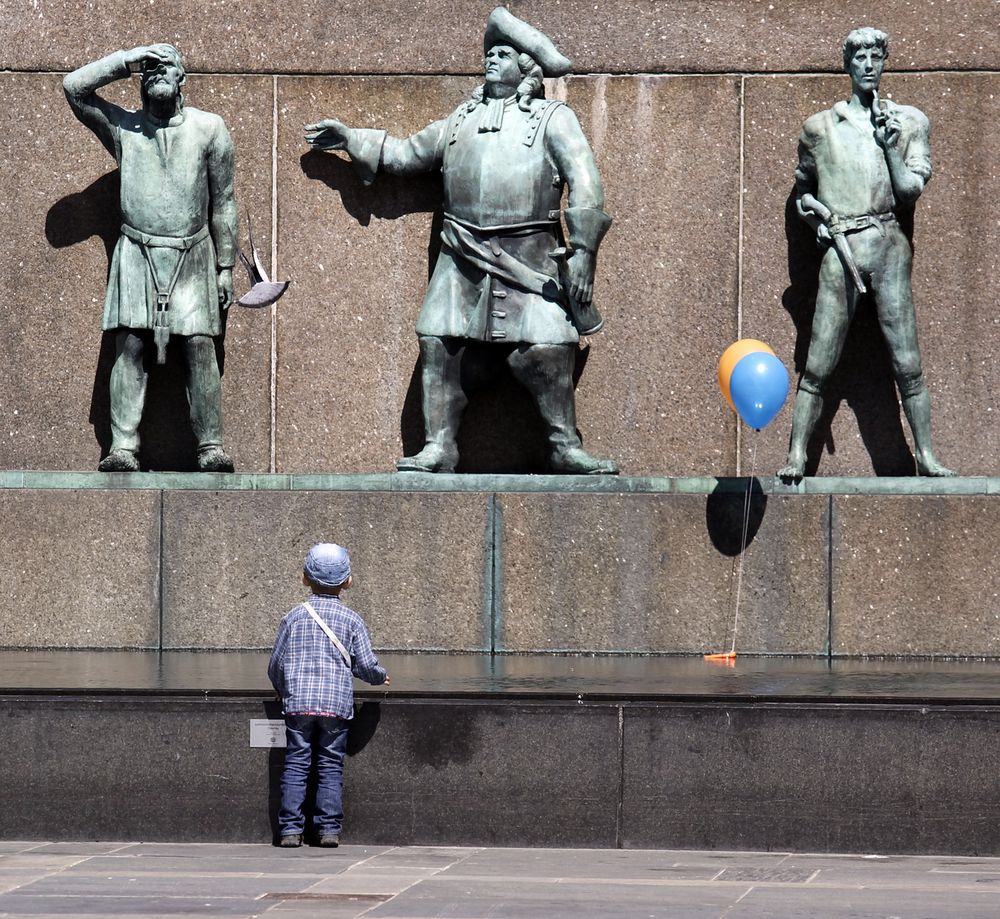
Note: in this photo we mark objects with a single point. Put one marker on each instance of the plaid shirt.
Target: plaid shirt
(308, 671)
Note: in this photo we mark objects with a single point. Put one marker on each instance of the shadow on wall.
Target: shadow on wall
(863, 377)
(167, 440)
(501, 429)
(727, 514)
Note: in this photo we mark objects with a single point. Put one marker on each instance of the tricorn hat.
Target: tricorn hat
(504, 28)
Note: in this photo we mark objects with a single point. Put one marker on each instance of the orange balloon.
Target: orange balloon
(732, 356)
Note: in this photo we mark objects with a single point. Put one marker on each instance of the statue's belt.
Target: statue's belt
(183, 244)
(862, 222)
(164, 242)
(481, 247)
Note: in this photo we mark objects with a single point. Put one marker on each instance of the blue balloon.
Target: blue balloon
(759, 387)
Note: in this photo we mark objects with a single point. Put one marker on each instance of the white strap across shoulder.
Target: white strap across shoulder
(329, 632)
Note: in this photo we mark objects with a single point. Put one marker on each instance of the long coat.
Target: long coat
(504, 170)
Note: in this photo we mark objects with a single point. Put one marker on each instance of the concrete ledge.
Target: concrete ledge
(79, 569)
(496, 483)
(648, 573)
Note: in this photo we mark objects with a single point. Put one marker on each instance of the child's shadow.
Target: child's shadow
(501, 429)
(863, 377)
(167, 439)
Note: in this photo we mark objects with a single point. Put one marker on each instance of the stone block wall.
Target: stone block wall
(693, 109)
(651, 567)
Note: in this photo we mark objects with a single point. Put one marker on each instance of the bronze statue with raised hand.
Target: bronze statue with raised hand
(172, 271)
(503, 286)
(861, 165)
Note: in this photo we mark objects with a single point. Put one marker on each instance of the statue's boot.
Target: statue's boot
(119, 461)
(443, 401)
(128, 396)
(546, 371)
(805, 414)
(214, 459)
(204, 392)
(917, 408)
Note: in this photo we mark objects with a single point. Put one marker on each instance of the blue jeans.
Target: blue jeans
(328, 737)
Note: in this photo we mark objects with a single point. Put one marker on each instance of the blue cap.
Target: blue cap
(328, 565)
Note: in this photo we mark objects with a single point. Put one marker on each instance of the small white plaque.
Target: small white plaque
(265, 732)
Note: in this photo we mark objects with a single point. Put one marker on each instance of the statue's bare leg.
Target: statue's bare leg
(546, 371)
(835, 305)
(128, 396)
(894, 299)
(204, 392)
(444, 401)
(805, 414)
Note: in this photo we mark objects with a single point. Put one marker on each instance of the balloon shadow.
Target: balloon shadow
(863, 378)
(732, 522)
(168, 442)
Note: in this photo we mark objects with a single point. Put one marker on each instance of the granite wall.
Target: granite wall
(645, 568)
(693, 109)
(520, 773)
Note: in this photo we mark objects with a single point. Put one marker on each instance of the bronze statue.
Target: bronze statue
(171, 273)
(504, 285)
(863, 164)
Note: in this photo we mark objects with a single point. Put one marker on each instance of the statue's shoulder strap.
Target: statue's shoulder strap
(455, 120)
(541, 111)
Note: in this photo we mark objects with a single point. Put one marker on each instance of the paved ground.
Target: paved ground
(148, 880)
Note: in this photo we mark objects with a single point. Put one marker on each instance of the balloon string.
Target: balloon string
(743, 544)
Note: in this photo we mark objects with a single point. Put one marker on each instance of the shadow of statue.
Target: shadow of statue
(168, 442)
(388, 198)
(501, 429)
(863, 378)
(84, 214)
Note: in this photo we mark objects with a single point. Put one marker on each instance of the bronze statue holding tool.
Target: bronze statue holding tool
(862, 164)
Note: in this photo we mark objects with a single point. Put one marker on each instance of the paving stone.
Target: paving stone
(529, 899)
(851, 903)
(123, 907)
(574, 863)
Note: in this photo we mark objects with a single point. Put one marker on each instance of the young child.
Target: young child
(310, 673)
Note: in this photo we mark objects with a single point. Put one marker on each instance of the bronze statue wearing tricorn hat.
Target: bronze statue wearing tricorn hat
(505, 288)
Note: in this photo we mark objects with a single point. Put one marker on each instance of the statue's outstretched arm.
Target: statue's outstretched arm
(374, 150)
